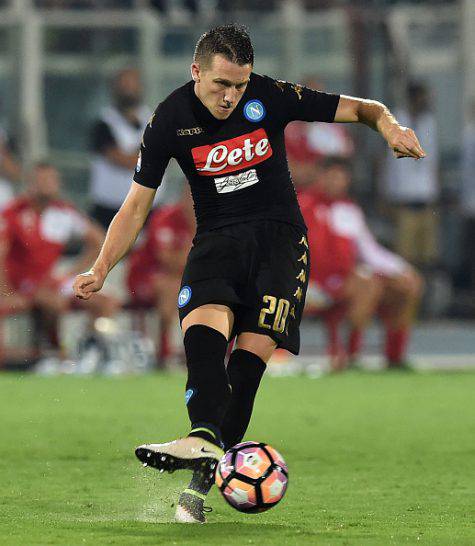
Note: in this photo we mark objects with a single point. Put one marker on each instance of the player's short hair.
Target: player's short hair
(43, 164)
(231, 41)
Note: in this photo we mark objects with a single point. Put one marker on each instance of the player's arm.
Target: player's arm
(402, 140)
(104, 142)
(120, 158)
(120, 237)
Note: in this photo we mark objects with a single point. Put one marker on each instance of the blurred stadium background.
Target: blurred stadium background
(57, 58)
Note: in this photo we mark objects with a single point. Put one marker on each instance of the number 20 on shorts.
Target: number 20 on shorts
(279, 309)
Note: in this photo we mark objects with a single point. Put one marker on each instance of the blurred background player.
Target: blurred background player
(352, 272)
(308, 144)
(411, 188)
(156, 267)
(35, 229)
(116, 137)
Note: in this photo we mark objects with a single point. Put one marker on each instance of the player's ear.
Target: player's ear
(195, 72)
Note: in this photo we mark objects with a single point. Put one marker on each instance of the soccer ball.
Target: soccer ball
(252, 477)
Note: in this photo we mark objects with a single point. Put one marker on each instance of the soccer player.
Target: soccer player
(34, 231)
(115, 140)
(354, 269)
(247, 271)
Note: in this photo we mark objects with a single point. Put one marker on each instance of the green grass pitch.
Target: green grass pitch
(374, 459)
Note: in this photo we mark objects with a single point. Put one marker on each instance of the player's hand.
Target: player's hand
(403, 142)
(87, 283)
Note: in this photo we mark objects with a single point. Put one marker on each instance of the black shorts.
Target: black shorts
(259, 269)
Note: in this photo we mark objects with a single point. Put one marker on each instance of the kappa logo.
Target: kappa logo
(190, 132)
(254, 110)
(233, 154)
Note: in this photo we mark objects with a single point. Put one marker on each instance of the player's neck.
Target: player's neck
(40, 203)
(130, 114)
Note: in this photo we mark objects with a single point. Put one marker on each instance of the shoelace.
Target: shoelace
(207, 509)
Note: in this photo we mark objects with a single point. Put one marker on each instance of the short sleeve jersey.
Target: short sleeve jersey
(237, 168)
(36, 240)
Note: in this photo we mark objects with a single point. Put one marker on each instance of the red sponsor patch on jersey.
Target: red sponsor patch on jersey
(232, 155)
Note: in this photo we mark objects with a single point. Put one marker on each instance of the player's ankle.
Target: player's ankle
(208, 432)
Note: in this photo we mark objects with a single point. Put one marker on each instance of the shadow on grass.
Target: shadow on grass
(224, 532)
(229, 533)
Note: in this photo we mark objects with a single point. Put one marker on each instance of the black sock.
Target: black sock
(207, 389)
(245, 370)
(201, 482)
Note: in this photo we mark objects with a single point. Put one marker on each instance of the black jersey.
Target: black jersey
(237, 168)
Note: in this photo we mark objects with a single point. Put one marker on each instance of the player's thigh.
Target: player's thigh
(216, 316)
(261, 345)
(409, 286)
(363, 287)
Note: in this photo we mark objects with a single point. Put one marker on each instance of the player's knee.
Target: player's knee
(377, 288)
(418, 285)
(411, 287)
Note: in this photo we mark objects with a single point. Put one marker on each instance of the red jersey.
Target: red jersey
(168, 228)
(36, 239)
(312, 142)
(297, 143)
(333, 252)
(340, 240)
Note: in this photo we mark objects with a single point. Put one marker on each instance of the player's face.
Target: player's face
(128, 89)
(336, 181)
(221, 85)
(45, 183)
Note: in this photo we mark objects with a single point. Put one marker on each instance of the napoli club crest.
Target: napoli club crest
(184, 296)
(254, 110)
